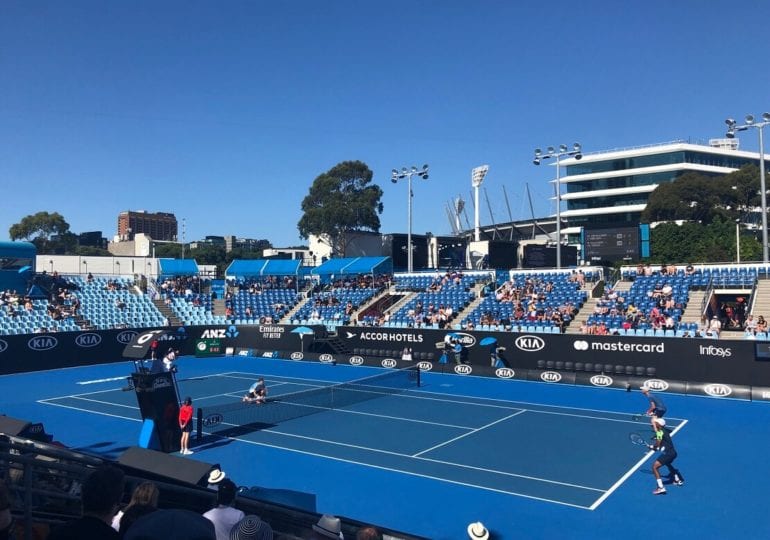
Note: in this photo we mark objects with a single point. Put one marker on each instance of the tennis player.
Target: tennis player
(257, 392)
(665, 445)
(657, 407)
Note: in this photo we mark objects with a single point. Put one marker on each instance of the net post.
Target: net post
(419, 381)
(199, 425)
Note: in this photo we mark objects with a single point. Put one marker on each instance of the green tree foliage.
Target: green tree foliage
(340, 201)
(49, 232)
(703, 199)
(709, 207)
(698, 243)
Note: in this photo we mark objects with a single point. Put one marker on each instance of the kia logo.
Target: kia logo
(656, 384)
(601, 380)
(36, 428)
(356, 360)
(213, 420)
(580, 345)
(326, 358)
(505, 373)
(463, 369)
(88, 340)
(126, 337)
(388, 363)
(718, 390)
(424, 366)
(297, 356)
(550, 376)
(529, 343)
(3, 345)
(44, 343)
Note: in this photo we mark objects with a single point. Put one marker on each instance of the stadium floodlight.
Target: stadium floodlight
(732, 128)
(395, 177)
(557, 155)
(477, 177)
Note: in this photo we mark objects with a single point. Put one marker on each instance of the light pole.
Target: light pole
(400, 175)
(477, 177)
(738, 241)
(551, 152)
(732, 127)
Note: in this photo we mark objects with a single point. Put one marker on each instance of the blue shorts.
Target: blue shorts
(658, 412)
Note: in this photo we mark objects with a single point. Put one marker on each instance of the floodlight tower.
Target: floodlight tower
(732, 127)
(477, 177)
(395, 176)
(557, 155)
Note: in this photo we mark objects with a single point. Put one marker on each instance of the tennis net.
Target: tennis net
(236, 418)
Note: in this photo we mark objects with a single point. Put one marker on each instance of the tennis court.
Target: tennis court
(530, 460)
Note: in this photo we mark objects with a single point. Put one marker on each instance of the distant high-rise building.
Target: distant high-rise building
(157, 225)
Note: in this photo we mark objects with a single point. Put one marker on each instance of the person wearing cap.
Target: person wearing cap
(328, 527)
(477, 531)
(657, 407)
(665, 445)
(224, 516)
(257, 392)
(215, 478)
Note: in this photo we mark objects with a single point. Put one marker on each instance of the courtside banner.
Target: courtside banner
(551, 376)
(760, 393)
(719, 390)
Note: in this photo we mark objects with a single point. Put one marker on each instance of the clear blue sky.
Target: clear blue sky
(224, 112)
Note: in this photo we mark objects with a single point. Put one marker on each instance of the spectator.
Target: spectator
(6, 519)
(368, 533)
(328, 527)
(215, 478)
(224, 516)
(100, 496)
(171, 524)
(132, 514)
(144, 493)
(251, 528)
(477, 531)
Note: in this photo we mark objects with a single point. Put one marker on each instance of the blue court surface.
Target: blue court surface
(530, 460)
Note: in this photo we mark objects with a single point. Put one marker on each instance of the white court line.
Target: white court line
(625, 477)
(514, 403)
(470, 432)
(45, 402)
(430, 460)
(104, 402)
(390, 469)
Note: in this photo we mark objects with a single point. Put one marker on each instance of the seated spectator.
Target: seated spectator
(132, 514)
(171, 524)
(224, 516)
(251, 528)
(145, 493)
(101, 494)
(368, 533)
(328, 527)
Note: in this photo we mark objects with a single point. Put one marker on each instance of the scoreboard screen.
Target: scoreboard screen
(612, 244)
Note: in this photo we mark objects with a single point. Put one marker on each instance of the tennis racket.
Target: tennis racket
(637, 439)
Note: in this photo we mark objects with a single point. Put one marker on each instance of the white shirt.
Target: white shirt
(224, 518)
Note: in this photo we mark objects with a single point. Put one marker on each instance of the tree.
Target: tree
(704, 199)
(341, 201)
(49, 232)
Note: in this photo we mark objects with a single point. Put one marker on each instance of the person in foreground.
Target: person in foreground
(665, 445)
(257, 392)
(224, 516)
(100, 495)
(185, 424)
